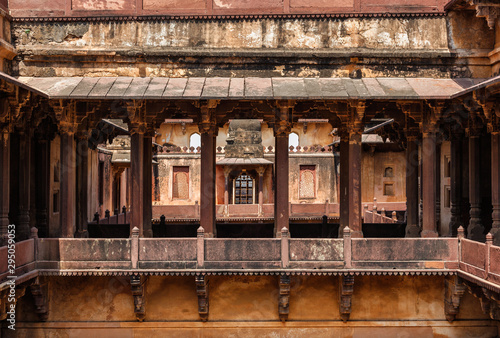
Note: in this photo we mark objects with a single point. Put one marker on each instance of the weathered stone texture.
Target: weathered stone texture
(406, 33)
(230, 48)
(248, 305)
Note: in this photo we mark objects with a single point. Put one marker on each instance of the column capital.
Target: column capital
(227, 171)
(68, 128)
(260, 170)
(208, 120)
(494, 120)
(283, 125)
(475, 126)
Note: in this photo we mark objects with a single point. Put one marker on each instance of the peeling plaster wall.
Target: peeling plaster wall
(259, 47)
(242, 305)
(372, 173)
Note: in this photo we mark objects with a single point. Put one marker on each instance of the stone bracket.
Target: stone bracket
(202, 292)
(490, 300)
(40, 295)
(284, 297)
(346, 290)
(454, 291)
(7, 298)
(138, 286)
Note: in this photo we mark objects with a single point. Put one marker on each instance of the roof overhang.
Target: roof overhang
(252, 88)
(244, 161)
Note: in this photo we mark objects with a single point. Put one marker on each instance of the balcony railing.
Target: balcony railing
(474, 261)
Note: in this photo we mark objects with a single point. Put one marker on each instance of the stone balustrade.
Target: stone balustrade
(475, 261)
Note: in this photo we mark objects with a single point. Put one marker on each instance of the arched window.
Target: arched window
(243, 189)
(293, 140)
(195, 141)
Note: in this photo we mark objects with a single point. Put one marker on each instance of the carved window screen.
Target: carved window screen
(244, 189)
(180, 187)
(307, 185)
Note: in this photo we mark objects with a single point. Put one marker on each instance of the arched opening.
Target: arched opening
(195, 140)
(293, 140)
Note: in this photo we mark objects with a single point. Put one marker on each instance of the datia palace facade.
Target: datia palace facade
(278, 168)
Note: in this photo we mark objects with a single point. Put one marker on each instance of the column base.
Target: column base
(475, 232)
(148, 233)
(412, 231)
(496, 236)
(82, 234)
(356, 234)
(429, 234)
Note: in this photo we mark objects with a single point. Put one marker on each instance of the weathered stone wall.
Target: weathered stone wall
(165, 178)
(471, 39)
(248, 305)
(326, 181)
(372, 173)
(368, 47)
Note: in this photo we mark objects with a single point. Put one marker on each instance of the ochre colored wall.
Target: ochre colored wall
(248, 305)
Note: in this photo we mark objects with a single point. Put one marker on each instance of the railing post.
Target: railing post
(285, 248)
(134, 255)
(34, 235)
(489, 243)
(460, 236)
(347, 248)
(200, 247)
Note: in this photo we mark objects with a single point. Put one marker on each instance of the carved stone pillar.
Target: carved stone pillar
(456, 183)
(42, 181)
(137, 178)
(355, 221)
(412, 227)
(4, 183)
(281, 181)
(260, 171)
(208, 129)
(227, 171)
(68, 181)
(495, 185)
(148, 185)
(82, 165)
(23, 228)
(475, 231)
(429, 182)
(344, 182)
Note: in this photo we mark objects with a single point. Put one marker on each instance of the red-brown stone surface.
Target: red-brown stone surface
(23, 8)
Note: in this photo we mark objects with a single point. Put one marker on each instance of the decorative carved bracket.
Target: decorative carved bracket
(283, 117)
(490, 301)
(138, 286)
(39, 292)
(454, 291)
(488, 9)
(284, 297)
(346, 290)
(202, 292)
